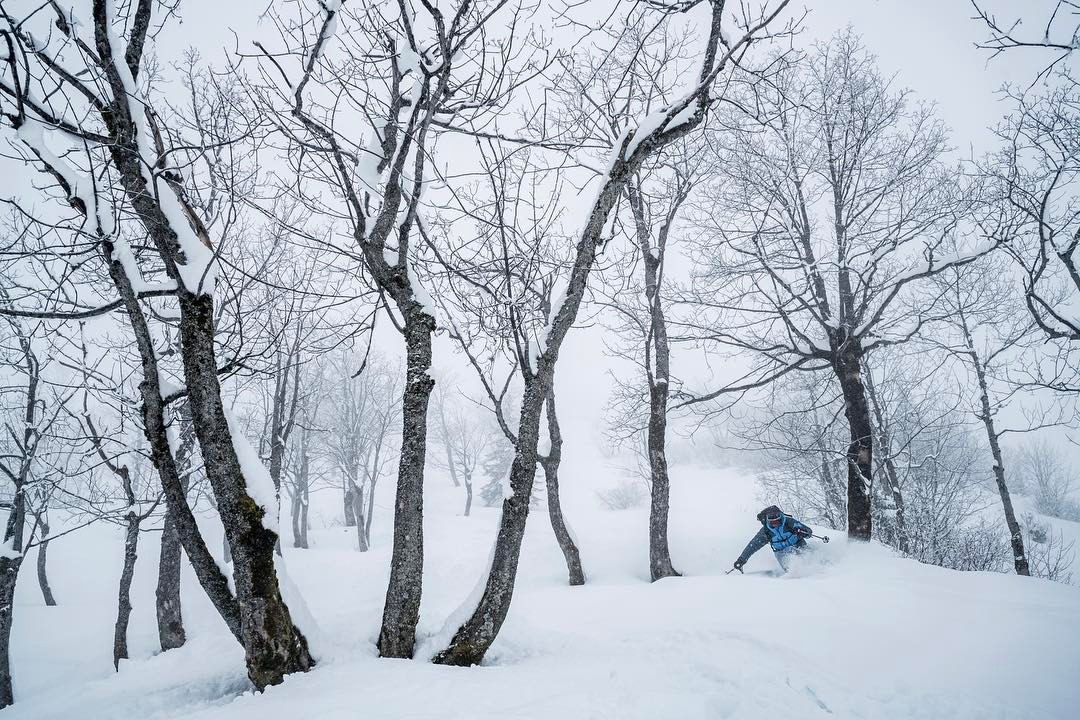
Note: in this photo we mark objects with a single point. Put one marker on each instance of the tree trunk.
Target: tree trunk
(209, 574)
(369, 514)
(892, 476)
(348, 504)
(273, 645)
(472, 640)
(1016, 537)
(656, 345)
(659, 553)
(402, 609)
(42, 559)
(304, 521)
(450, 464)
(551, 478)
(847, 364)
(301, 495)
(123, 611)
(468, 494)
(358, 513)
(9, 573)
(170, 619)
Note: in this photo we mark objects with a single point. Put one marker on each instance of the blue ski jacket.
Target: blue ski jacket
(789, 535)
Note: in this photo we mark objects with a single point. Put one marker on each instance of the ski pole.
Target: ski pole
(733, 570)
(822, 538)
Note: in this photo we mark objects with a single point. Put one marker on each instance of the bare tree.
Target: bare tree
(120, 170)
(27, 414)
(986, 335)
(1035, 174)
(536, 349)
(654, 201)
(361, 112)
(833, 200)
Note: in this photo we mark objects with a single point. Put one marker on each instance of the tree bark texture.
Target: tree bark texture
(123, 606)
(847, 365)
(209, 574)
(551, 478)
(658, 347)
(273, 645)
(170, 619)
(472, 640)
(401, 611)
(1016, 536)
(42, 568)
(9, 573)
(892, 475)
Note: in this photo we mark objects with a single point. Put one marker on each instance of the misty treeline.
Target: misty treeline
(205, 269)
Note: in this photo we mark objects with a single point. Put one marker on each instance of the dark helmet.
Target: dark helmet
(771, 515)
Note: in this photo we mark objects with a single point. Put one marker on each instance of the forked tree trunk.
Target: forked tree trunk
(401, 612)
(847, 365)
(209, 574)
(123, 610)
(273, 645)
(551, 477)
(892, 475)
(42, 560)
(472, 640)
(657, 346)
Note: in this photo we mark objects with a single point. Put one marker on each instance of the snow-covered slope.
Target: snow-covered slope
(856, 633)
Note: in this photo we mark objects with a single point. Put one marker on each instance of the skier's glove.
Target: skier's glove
(804, 532)
(739, 564)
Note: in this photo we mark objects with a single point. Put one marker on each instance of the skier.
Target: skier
(785, 534)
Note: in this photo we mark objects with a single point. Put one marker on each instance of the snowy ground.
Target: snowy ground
(858, 633)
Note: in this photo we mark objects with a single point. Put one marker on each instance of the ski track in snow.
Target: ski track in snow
(850, 632)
